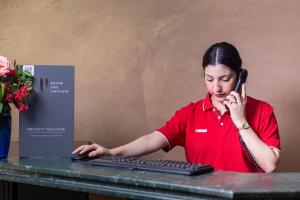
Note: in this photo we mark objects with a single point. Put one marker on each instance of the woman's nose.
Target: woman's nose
(217, 86)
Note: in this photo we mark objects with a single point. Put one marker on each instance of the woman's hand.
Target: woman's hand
(93, 149)
(142, 146)
(237, 106)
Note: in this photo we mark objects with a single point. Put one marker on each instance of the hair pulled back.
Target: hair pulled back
(223, 53)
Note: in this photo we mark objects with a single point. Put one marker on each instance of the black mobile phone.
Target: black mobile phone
(241, 79)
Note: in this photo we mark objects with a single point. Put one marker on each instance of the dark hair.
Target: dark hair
(223, 53)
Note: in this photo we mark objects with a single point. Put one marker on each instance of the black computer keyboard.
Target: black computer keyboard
(135, 163)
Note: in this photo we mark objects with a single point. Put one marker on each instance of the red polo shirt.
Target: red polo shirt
(211, 138)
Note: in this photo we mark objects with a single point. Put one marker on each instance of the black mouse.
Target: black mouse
(84, 156)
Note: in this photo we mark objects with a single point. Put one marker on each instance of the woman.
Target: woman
(225, 129)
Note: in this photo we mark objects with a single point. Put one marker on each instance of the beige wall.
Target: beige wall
(137, 61)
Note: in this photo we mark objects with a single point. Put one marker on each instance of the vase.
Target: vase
(5, 134)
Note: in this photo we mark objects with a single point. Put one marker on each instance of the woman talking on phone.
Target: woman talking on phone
(226, 129)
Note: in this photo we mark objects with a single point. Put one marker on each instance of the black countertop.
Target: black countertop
(77, 176)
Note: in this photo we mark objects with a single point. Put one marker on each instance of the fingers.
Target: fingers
(236, 97)
(94, 149)
(240, 99)
(228, 104)
(243, 95)
(78, 149)
(232, 100)
(98, 151)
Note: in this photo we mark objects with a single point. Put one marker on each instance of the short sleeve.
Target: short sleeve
(174, 129)
(268, 128)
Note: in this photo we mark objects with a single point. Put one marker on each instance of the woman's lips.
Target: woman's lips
(219, 95)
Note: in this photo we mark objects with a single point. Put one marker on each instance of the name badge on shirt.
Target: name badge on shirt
(200, 130)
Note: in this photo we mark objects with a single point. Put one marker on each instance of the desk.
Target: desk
(61, 173)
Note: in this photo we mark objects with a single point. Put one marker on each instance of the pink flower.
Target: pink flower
(21, 93)
(23, 107)
(7, 87)
(12, 72)
(9, 98)
(5, 65)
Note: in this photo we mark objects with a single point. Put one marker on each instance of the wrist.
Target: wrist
(112, 152)
(243, 125)
(115, 151)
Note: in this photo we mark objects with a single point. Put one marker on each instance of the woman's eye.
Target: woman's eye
(226, 79)
(209, 80)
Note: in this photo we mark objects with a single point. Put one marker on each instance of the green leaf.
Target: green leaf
(2, 90)
(1, 107)
(27, 73)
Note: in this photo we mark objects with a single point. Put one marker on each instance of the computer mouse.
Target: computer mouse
(83, 157)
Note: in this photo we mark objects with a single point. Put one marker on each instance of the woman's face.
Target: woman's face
(220, 80)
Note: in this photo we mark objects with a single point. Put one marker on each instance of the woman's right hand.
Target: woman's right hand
(93, 149)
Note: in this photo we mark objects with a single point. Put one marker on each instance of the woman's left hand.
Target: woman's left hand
(237, 106)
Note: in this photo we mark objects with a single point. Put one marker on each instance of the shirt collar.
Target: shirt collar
(207, 104)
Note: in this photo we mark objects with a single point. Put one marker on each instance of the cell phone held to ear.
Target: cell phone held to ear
(241, 79)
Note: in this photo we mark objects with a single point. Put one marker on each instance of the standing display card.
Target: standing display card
(47, 128)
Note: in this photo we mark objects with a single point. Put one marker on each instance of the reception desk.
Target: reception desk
(19, 179)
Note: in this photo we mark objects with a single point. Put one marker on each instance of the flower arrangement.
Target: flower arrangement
(15, 86)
